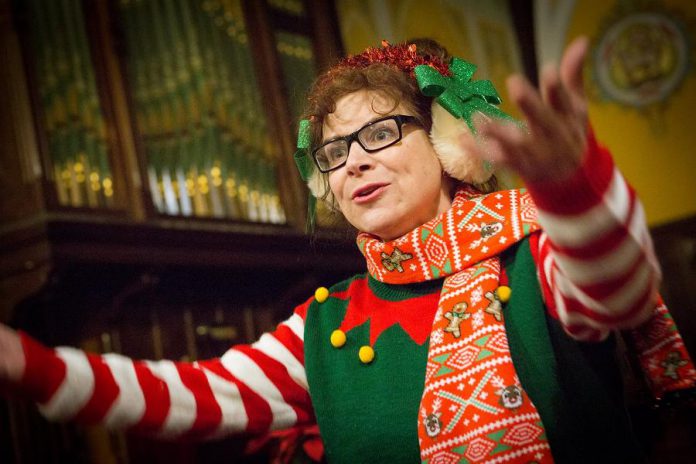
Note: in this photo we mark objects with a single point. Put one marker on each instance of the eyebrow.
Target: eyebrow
(338, 137)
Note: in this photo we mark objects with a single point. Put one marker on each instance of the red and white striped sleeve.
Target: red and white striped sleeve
(250, 388)
(596, 263)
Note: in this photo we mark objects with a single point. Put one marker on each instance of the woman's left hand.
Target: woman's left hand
(12, 360)
(556, 117)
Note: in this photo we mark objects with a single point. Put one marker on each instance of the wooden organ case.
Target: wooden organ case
(150, 203)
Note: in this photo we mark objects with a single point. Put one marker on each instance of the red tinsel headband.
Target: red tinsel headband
(403, 56)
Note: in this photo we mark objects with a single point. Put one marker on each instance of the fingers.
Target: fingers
(533, 158)
(538, 115)
(556, 116)
(572, 64)
(554, 92)
(11, 356)
(503, 144)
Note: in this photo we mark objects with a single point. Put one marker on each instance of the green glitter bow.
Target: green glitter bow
(460, 96)
(302, 159)
(306, 166)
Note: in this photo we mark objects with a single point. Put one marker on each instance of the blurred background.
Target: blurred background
(150, 205)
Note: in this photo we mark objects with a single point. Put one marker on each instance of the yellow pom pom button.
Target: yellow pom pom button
(503, 293)
(321, 294)
(366, 354)
(338, 338)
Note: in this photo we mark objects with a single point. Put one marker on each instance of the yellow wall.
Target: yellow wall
(655, 151)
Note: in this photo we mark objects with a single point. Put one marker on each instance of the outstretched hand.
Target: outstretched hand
(11, 357)
(552, 147)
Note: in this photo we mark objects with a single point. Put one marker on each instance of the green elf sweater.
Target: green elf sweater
(575, 386)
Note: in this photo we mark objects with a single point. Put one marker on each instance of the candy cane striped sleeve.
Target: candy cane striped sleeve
(595, 257)
(250, 388)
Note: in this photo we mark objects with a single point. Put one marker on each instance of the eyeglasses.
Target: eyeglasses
(372, 137)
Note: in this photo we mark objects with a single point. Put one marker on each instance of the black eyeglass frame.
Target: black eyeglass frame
(400, 119)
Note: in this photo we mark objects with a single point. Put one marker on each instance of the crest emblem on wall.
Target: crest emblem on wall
(641, 56)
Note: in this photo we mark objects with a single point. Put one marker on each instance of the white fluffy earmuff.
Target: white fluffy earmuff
(445, 136)
(318, 183)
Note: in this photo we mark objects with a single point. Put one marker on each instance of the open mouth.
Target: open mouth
(368, 192)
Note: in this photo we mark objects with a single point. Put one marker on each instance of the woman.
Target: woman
(489, 340)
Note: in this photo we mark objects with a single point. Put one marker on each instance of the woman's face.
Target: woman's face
(390, 192)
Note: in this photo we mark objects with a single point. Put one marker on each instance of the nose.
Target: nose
(358, 160)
